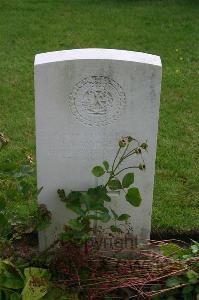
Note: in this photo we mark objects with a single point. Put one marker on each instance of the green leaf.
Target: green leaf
(106, 198)
(10, 276)
(58, 293)
(156, 287)
(106, 165)
(101, 193)
(187, 289)
(6, 263)
(80, 236)
(172, 249)
(195, 249)
(98, 171)
(115, 229)
(36, 272)
(73, 197)
(94, 198)
(97, 205)
(173, 281)
(114, 184)
(133, 197)
(86, 200)
(2, 204)
(27, 170)
(15, 296)
(128, 180)
(187, 256)
(123, 217)
(73, 201)
(192, 276)
(105, 217)
(75, 224)
(77, 209)
(11, 282)
(35, 291)
(98, 192)
(66, 236)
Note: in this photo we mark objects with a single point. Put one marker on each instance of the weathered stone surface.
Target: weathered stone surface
(86, 99)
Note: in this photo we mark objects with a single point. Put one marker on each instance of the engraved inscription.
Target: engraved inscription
(97, 100)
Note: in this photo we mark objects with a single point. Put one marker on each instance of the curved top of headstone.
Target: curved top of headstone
(97, 53)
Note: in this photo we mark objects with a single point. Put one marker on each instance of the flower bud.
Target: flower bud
(138, 151)
(142, 167)
(130, 139)
(123, 141)
(144, 146)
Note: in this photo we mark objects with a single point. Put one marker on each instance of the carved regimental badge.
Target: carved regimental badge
(97, 100)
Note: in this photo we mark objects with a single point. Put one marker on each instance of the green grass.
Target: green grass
(166, 28)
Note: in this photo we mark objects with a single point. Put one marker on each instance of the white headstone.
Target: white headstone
(86, 99)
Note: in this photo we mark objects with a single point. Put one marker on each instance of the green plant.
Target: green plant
(19, 210)
(28, 284)
(91, 205)
(19, 282)
(186, 285)
(183, 253)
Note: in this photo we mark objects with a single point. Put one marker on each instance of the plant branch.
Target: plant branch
(131, 152)
(121, 158)
(133, 167)
(116, 158)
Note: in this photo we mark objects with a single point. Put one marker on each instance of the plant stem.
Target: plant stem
(122, 158)
(133, 151)
(134, 167)
(110, 177)
(116, 158)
